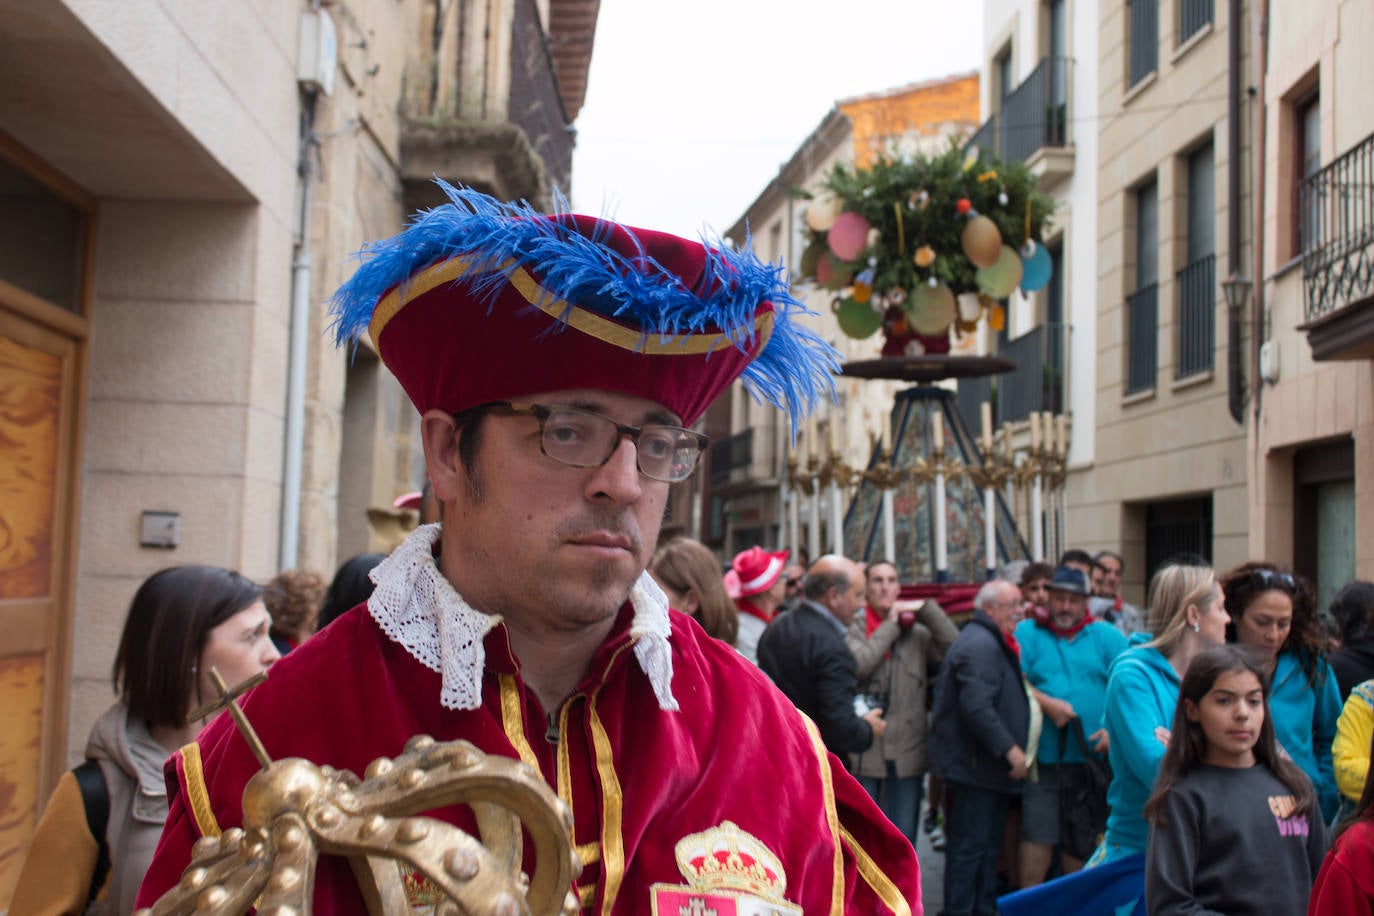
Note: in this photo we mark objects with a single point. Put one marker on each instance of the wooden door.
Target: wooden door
(38, 372)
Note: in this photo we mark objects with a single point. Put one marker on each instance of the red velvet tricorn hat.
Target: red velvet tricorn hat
(482, 301)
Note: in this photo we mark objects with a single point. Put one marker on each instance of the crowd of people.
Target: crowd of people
(1209, 744)
(763, 733)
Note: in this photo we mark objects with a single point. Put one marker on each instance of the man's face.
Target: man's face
(847, 601)
(1107, 577)
(1004, 608)
(549, 545)
(793, 575)
(1067, 608)
(881, 592)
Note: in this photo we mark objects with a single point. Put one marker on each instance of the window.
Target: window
(42, 239)
(1142, 306)
(1197, 280)
(1143, 39)
(1307, 161)
(1192, 16)
(1006, 79)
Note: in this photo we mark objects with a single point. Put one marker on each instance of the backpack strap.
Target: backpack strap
(95, 796)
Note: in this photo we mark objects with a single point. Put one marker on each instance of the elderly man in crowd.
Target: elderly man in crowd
(894, 643)
(804, 652)
(558, 363)
(1065, 655)
(978, 738)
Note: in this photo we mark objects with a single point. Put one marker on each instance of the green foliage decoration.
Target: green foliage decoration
(888, 193)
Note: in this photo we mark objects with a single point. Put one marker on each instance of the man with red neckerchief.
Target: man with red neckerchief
(757, 584)
(1065, 654)
(558, 363)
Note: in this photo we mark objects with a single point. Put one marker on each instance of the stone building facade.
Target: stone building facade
(181, 188)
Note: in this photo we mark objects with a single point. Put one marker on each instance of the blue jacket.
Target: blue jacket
(1142, 691)
(981, 709)
(1072, 669)
(1304, 718)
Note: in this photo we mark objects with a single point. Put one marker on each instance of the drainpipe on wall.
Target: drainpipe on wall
(1260, 146)
(294, 449)
(1235, 376)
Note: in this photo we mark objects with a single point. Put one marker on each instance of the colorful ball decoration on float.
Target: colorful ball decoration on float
(1036, 267)
(921, 247)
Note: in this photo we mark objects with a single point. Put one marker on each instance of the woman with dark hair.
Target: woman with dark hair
(1235, 826)
(690, 575)
(1353, 610)
(1345, 885)
(350, 588)
(182, 623)
(1274, 615)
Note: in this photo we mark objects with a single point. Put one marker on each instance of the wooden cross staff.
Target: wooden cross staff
(227, 698)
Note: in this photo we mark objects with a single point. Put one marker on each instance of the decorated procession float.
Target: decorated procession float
(923, 251)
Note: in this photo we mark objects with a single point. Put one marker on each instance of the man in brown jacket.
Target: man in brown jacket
(893, 643)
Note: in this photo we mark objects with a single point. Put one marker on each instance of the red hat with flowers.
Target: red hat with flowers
(754, 571)
(481, 301)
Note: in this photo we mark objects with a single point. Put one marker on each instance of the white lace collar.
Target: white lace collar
(418, 609)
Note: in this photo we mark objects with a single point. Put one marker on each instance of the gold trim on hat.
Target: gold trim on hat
(588, 322)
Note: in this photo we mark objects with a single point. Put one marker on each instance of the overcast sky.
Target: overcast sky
(693, 106)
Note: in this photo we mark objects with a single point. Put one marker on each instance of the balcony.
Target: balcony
(1336, 223)
(730, 455)
(1033, 125)
(1037, 382)
(1142, 339)
(1197, 296)
(500, 125)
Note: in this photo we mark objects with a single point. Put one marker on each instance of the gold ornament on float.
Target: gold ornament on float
(982, 241)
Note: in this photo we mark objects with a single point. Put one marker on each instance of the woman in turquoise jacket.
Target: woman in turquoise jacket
(1275, 617)
(1187, 615)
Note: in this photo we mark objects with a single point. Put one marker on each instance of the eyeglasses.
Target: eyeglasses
(586, 439)
(1266, 579)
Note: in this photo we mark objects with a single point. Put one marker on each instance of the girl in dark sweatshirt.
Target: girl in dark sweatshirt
(1234, 824)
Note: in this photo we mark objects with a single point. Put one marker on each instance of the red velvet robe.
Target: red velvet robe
(736, 750)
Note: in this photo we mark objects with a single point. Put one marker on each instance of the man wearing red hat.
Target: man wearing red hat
(757, 584)
(558, 363)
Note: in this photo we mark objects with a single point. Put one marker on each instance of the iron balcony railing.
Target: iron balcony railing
(1034, 115)
(985, 138)
(1197, 296)
(1336, 228)
(1142, 338)
(969, 398)
(1143, 39)
(1192, 16)
(1037, 382)
(728, 455)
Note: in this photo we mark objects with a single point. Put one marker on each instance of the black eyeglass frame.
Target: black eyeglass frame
(542, 412)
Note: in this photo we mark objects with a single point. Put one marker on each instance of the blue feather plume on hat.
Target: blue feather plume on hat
(794, 370)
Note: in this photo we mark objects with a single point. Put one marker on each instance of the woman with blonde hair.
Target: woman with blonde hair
(1187, 614)
(690, 574)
